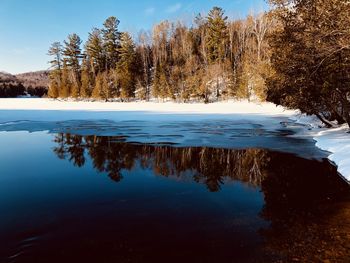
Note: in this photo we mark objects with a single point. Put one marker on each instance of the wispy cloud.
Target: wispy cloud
(174, 8)
(150, 11)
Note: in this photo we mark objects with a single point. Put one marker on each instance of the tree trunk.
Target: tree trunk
(324, 121)
(346, 110)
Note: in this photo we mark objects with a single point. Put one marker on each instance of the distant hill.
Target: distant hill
(25, 84)
(34, 79)
(7, 77)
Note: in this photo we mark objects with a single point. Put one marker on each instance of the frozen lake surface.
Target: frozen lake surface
(274, 133)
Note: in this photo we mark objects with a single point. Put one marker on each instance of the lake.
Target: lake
(77, 195)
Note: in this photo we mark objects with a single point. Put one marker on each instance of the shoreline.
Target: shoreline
(222, 107)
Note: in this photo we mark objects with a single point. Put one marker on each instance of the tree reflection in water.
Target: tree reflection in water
(306, 201)
(210, 166)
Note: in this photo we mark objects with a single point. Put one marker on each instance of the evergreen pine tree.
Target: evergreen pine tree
(97, 91)
(126, 67)
(217, 36)
(53, 91)
(65, 87)
(56, 65)
(111, 40)
(95, 52)
(75, 89)
(164, 84)
(85, 91)
(106, 92)
(72, 55)
(161, 87)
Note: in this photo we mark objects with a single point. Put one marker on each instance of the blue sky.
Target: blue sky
(28, 27)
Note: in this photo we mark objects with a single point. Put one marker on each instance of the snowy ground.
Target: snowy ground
(336, 141)
(239, 107)
(264, 117)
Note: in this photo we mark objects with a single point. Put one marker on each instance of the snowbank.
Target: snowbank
(336, 141)
(227, 107)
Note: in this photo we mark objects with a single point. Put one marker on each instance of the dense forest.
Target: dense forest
(206, 61)
(296, 55)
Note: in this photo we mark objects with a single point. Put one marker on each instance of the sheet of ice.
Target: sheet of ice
(54, 110)
(235, 134)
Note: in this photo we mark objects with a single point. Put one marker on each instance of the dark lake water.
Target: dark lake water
(72, 198)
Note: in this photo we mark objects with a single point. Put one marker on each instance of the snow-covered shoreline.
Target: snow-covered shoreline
(336, 141)
(226, 107)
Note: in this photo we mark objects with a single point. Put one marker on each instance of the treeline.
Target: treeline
(210, 60)
(295, 55)
(9, 86)
(27, 84)
(36, 83)
(11, 90)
